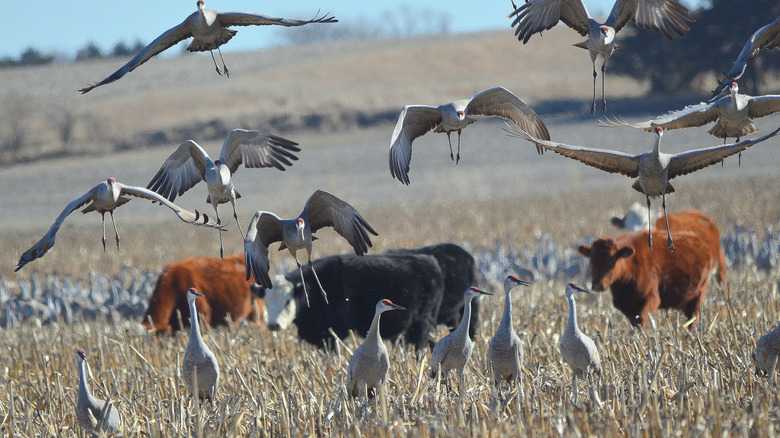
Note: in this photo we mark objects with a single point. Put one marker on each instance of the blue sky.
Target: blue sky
(63, 26)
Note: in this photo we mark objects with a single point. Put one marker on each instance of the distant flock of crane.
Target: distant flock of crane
(189, 164)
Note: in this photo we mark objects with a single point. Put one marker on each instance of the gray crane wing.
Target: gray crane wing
(168, 39)
(664, 16)
(251, 19)
(325, 210)
(264, 229)
(604, 159)
(47, 241)
(414, 121)
(689, 161)
(767, 37)
(256, 149)
(196, 218)
(690, 116)
(538, 15)
(500, 102)
(181, 171)
(761, 106)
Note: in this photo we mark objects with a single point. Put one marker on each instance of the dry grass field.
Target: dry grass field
(661, 381)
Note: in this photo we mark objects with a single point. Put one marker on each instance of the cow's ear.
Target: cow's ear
(257, 290)
(584, 250)
(625, 252)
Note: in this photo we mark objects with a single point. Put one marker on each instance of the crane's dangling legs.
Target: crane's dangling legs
(668, 231)
(452, 156)
(235, 216)
(224, 66)
(219, 221)
(116, 232)
(219, 72)
(300, 271)
(457, 157)
(593, 104)
(649, 224)
(103, 221)
(603, 88)
(322, 289)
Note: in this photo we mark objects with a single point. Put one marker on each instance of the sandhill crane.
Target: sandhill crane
(370, 362)
(322, 210)
(209, 30)
(93, 413)
(732, 115)
(105, 197)
(577, 349)
(190, 164)
(767, 353)
(454, 350)
(198, 359)
(416, 120)
(505, 351)
(664, 16)
(768, 37)
(653, 169)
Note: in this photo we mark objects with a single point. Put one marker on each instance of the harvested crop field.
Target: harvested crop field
(661, 381)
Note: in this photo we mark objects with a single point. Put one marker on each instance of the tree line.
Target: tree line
(33, 56)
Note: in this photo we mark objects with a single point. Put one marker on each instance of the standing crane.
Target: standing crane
(454, 350)
(732, 114)
(370, 362)
(106, 197)
(209, 30)
(664, 16)
(198, 359)
(505, 351)
(416, 120)
(577, 349)
(768, 37)
(190, 164)
(321, 210)
(767, 353)
(93, 413)
(653, 169)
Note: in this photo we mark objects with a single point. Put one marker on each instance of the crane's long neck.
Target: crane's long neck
(657, 147)
(83, 385)
(463, 327)
(506, 319)
(572, 325)
(194, 329)
(373, 331)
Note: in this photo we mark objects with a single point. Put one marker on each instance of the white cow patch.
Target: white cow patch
(280, 305)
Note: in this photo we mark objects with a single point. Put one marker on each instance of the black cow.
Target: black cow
(354, 285)
(459, 271)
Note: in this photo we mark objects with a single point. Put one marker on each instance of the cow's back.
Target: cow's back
(355, 284)
(223, 282)
(703, 226)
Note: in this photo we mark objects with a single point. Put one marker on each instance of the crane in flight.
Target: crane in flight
(665, 16)
(416, 120)
(652, 169)
(209, 30)
(322, 210)
(189, 164)
(768, 37)
(105, 198)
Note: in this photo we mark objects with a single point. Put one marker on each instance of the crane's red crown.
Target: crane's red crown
(300, 220)
(386, 301)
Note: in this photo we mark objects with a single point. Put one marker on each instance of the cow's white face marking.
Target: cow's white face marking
(280, 305)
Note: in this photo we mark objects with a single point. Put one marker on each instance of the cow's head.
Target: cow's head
(604, 256)
(766, 359)
(281, 306)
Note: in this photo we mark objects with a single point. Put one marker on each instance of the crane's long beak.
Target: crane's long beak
(397, 307)
(482, 292)
(581, 289)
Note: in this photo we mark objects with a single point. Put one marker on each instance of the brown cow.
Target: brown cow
(642, 280)
(223, 282)
(704, 227)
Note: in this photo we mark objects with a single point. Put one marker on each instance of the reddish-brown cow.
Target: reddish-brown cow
(704, 227)
(642, 280)
(223, 282)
